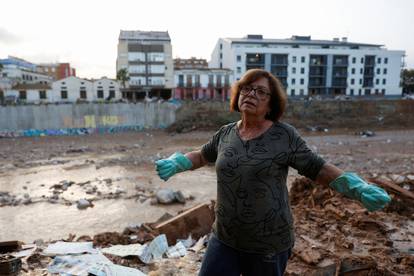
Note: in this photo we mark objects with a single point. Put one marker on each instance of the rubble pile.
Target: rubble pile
(337, 235)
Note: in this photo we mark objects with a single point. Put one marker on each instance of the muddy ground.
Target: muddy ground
(42, 179)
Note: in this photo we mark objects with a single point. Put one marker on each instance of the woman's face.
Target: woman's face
(254, 98)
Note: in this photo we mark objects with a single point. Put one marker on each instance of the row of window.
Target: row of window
(377, 81)
(351, 92)
(145, 57)
(338, 60)
(64, 94)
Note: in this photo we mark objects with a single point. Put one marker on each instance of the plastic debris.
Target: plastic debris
(125, 250)
(65, 248)
(155, 249)
(177, 251)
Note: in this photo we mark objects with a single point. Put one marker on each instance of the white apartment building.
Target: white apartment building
(147, 56)
(315, 67)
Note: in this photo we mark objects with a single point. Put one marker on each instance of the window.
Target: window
(82, 94)
(221, 55)
(136, 69)
(379, 60)
(239, 70)
(156, 69)
(294, 59)
(385, 71)
(293, 70)
(362, 60)
(42, 94)
(157, 57)
(22, 95)
(360, 81)
(136, 56)
(221, 64)
(302, 92)
(302, 70)
(111, 94)
(361, 71)
(378, 71)
(63, 94)
(353, 71)
(293, 81)
(384, 81)
(238, 58)
(386, 60)
(302, 59)
(360, 92)
(353, 60)
(351, 92)
(383, 90)
(302, 81)
(221, 46)
(292, 92)
(352, 81)
(377, 81)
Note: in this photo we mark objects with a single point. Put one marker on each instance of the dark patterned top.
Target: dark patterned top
(252, 210)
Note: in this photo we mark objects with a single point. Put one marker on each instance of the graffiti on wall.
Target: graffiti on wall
(92, 121)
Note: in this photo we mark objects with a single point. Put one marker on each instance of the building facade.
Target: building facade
(309, 67)
(35, 93)
(147, 57)
(74, 89)
(57, 71)
(195, 81)
(16, 70)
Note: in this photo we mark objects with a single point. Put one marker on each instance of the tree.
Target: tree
(408, 81)
(123, 76)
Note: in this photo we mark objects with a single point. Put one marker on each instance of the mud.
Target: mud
(43, 178)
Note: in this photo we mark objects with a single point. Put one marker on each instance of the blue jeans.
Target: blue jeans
(221, 259)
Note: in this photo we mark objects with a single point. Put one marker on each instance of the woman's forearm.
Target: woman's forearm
(197, 159)
(328, 173)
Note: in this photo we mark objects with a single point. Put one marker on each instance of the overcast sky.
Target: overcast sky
(85, 32)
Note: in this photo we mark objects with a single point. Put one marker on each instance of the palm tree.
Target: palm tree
(123, 76)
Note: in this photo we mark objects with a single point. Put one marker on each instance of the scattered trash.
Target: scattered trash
(154, 250)
(125, 250)
(168, 196)
(65, 248)
(197, 221)
(83, 204)
(366, 133)
(10, 265)
(177, 251)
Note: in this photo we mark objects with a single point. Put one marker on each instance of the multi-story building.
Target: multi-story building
(315, 67)
(16, 70)
(147, 56)
(57, 71)
(195, 81)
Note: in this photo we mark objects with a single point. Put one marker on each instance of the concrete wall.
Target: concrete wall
(207, 115)
(146, 115)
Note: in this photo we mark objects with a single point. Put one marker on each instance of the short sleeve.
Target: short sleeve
(301, 157)
(209, 150)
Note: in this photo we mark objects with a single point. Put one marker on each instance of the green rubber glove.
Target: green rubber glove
(174, 164)
(350, 184)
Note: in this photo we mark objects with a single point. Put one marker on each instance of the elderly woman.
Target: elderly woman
(253, 231)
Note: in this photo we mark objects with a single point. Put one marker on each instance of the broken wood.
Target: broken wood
(196, 221)
(393, 187)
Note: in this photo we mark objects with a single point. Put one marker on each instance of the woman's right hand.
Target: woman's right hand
(174, 164)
